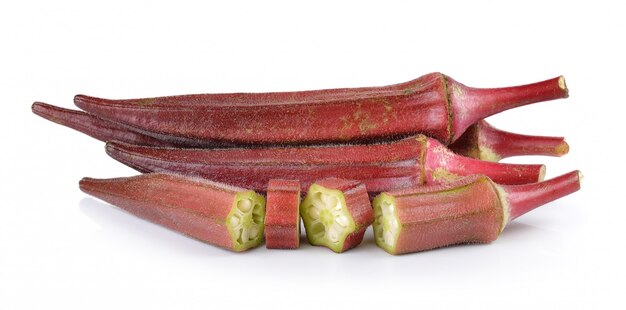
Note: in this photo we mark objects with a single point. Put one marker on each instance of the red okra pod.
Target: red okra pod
(485, 142)
(469, 210)
(433, 104)
(481, 140)
(380, 166)
(219, 214)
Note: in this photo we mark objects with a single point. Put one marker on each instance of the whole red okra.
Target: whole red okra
(380, 166)
(469, 210)
(480, 141)
(433, 104)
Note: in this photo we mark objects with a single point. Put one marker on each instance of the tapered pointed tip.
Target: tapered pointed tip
(86, 184)
(40, 108)
(110, 146)
(36, 106)
(52, 113)
(80, 100)
(114, 147)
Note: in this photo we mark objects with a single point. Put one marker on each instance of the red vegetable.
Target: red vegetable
(470, 210)
(383, 166)
(481, 140)
(219, 214)
(433, 104)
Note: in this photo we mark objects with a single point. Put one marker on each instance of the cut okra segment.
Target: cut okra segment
(282, 219)
(326, 217)
(336, 213)
(422, 218)
(469, 210)
(245, 222)
(223, 215)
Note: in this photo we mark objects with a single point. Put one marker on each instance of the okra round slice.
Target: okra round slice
(336, 213)
(282, 216)
(386, 222)
(245, 222)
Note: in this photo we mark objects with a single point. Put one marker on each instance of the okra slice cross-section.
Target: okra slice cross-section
(245, 220)
(336, 213)
(386, 222)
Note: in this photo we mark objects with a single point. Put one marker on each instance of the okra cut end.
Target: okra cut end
(563, 86)
(246, 220)
(386, 223)
(326, 218)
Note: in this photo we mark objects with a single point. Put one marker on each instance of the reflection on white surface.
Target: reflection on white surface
(118, 223)
(126, 231)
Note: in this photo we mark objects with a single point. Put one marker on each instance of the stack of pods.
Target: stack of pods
(416, 160)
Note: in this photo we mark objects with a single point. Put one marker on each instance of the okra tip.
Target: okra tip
(113, 148)
(87, 184)
(81, 100)
(123, 152)
(93, 185)
(36, 106)
(43, 109)
(110, 146)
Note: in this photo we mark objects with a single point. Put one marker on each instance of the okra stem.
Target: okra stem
(524, 198)
(485, 142)
(470, 105)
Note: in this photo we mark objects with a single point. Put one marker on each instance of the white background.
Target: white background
(60, 248)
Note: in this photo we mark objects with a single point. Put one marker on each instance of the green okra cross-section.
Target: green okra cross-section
(336, 213)
(245, 222)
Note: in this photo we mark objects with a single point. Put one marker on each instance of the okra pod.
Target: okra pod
(380, 166)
